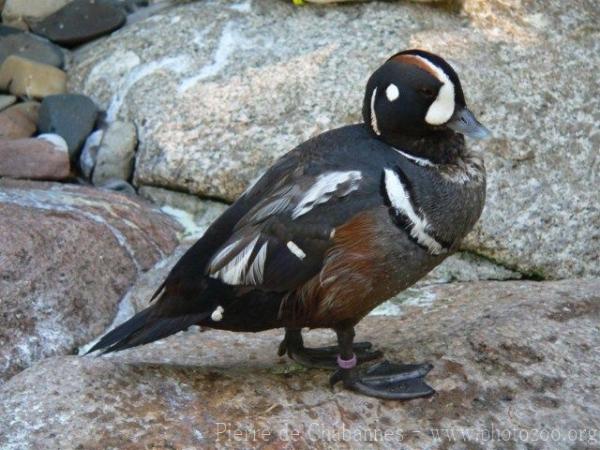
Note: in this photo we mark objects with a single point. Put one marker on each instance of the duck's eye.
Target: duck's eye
(427, 92)
(392, 92)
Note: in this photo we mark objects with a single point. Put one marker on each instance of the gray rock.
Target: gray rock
(89, 153)
(6, 101)
(7, 31)
(251, 83)
(16, 10)
(72, 116)
(118, 186)
(116, 153)
(80, 21)
(468, 267)
(69, 253)
(129, 6)
(514, 357)
(194, 214)
(31, 47)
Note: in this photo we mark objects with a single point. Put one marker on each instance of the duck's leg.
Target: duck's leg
(383, 380)
(322, 357)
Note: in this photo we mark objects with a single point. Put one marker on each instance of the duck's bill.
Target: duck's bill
(463, 121)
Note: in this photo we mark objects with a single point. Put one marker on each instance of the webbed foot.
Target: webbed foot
(322, 357)
(386, 380)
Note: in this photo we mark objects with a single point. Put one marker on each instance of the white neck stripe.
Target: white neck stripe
(420, 161)
(373, 115)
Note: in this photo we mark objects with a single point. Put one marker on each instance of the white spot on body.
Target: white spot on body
(392, 92)
(325, 187)
(373, 115)
(442, 108)
(400, 200)
(217, 314)
(297, 251)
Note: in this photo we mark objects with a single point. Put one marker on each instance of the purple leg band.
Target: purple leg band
(347, 363)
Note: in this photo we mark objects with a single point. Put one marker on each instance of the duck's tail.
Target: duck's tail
(161, 319)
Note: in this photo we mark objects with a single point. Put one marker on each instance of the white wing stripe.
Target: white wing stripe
(233, 272)
(219, 257)
(400, 200)
(324, 188)
(256, 272)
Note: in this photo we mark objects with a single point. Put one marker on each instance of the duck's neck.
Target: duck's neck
(442, 147)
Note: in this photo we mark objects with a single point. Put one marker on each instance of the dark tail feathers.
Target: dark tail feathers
(145, 327)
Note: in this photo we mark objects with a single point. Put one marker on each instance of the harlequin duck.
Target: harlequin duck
(335, 227)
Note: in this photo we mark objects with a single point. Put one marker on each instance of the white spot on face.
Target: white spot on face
(373, 115)
(217, 314)
(297, 251)
(392, 92)
(442, 108)
(401, 202)
(332, 234)
(326, 186)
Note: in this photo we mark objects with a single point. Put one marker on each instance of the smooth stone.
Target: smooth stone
(18, 24)
(89, 153)
(31, 47)
(79, 22)
(35, 159)
(116, 153)
(118, 186)
(30, 10)
(6, 101)
(266, 78)
(30, 108)
(70, 115)
(7, 31)
(128, 6)
(23, 77)
(69, 254)
(518, 357)
(19, 121)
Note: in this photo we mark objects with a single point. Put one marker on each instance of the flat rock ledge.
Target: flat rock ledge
(516, 366)
(68, 254)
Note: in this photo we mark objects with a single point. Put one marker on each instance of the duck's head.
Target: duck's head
(417, 94)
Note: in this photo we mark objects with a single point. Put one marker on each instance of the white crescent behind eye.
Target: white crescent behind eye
(442, 108)
(392, 92)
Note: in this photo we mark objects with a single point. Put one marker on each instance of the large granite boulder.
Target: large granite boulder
(68, 255)
(229, 87)
(515, 367)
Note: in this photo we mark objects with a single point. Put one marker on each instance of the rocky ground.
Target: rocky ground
(511, 359)
(126, 126)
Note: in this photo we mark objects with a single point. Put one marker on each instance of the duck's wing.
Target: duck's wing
(281, 241)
